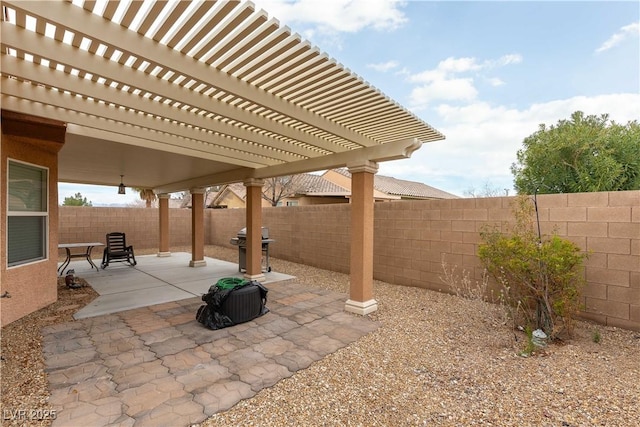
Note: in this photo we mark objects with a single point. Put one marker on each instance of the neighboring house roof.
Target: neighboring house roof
(315, 185)
(400, 187)
(186, 200)
(311, 185)
(403, 188)
(236, 188)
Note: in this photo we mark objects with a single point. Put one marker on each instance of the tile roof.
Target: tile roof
(239, 189)
(404, 188)
(316, 185)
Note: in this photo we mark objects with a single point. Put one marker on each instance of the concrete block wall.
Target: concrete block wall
(141, 225)
(412, 237)
(224, 225)
(316, 235)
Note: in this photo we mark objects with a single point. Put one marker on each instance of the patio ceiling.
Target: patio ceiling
(177, 94)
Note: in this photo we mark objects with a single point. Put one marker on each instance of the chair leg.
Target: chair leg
(132, 257)
(105, 260)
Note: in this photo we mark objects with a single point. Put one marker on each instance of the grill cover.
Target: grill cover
(231, 306)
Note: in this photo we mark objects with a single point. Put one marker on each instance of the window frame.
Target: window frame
(44, 214)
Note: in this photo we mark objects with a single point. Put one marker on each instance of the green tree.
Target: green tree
(76, 200)
(583, 154)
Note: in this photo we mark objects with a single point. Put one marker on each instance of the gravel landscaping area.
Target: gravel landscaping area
(436, 359)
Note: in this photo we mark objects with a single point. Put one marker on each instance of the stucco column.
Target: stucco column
(197, 228)
(163, 207)
(361, 280)
(254, 229)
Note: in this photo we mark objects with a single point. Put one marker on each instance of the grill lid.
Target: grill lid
(242, 234)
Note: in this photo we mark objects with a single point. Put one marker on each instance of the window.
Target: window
(292, 203)
(27, 213)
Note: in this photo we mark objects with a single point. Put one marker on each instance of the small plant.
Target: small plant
(544, 276)
(595, 337)
(530, 346)
(463, 286)
(512, 308)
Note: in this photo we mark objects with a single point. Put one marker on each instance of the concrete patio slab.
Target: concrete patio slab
(154, 280)
(116, 302)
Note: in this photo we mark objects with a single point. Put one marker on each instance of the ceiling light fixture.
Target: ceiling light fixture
(121, 187)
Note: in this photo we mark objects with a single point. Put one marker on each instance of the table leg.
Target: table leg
(65, 263)
(89, 248)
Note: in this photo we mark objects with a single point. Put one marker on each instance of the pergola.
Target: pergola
(180, 95)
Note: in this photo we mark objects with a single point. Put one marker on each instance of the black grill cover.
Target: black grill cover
(228, 307)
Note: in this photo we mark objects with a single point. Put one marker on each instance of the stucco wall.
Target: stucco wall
(34, 285)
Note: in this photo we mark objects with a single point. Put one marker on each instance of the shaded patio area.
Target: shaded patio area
(156, 365)
(154, 280)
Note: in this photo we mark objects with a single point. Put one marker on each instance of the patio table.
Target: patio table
(86, 254)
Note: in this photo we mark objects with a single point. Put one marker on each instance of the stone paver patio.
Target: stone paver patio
(157, 366)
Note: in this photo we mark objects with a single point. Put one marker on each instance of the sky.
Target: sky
(485, 74)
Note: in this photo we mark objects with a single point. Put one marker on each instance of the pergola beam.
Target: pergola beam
(43, 47)
(108, 118)
(380, 153)
(87, 24)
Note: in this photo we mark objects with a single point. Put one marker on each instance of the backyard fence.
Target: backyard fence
(412, 237)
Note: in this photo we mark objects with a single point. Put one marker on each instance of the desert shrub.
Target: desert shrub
(543, 275)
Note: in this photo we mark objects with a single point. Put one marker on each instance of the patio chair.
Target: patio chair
(117, 250)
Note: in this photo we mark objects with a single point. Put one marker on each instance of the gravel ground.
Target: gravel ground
(23, 380)
(436, 359)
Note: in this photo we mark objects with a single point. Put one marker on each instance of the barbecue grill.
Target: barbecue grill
(241, 242)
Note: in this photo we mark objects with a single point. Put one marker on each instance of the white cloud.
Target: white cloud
(458, 65)
(427, 76)
(512, 58)
(383, 67)
(494, 81)
(628, 31)
(444, 82)
(482, 140)
(338, 15)
(442, 89)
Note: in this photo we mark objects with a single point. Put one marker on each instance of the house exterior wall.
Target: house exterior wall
(34, 285)
(345, 182)
(316, 200)
(230, 200)
(337, 178)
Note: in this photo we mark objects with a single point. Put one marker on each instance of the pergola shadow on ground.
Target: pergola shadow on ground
(156, 362)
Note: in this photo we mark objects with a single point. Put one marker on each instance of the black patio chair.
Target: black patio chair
(117, 250)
